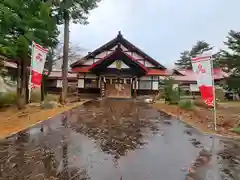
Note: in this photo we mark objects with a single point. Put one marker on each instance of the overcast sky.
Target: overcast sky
(161, 28)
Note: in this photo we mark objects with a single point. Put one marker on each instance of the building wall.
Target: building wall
(88, 83)
(148, 83)
(91, 82)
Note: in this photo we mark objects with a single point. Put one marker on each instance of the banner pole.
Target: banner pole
(214, 97)
(30, 76)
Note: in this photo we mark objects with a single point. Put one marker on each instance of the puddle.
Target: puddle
(113, 140)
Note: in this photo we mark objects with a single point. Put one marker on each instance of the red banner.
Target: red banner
(37, 65)
(202, 67)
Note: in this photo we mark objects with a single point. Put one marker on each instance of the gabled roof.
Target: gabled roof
(115, 55)
(119, 39)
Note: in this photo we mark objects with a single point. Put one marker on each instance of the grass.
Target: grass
(36, 96)
(7, 99)
(186, 104)
(236, 130)
(10, 98)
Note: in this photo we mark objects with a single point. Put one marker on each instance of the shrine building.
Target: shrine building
(118, 69)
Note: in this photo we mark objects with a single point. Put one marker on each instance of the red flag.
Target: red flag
(202, 67)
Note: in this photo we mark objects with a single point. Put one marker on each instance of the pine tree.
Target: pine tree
(185, 58)
(199, 48)
(230, 59)
(185, 61)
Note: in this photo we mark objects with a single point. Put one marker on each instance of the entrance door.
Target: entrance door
(118, 89)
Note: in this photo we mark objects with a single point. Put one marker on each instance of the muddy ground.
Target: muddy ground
(228, 116)
(117, 140)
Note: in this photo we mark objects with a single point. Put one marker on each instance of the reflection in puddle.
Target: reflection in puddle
(117, 129)
(116, 139)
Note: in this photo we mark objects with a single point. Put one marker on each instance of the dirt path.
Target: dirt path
(13, 120)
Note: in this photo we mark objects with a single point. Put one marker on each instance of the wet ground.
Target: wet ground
(117, 140)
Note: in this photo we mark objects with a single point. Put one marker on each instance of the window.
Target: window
(145, 84)
(91, 83)
(155, 78)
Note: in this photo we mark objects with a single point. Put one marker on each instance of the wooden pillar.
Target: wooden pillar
(102, 87)
(78, 94)
(135, 88)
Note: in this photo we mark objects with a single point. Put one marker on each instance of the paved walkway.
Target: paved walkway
(113, 140)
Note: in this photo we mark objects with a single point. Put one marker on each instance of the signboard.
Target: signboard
(59, 83)
(202, 67)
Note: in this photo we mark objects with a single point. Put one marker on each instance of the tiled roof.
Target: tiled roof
(157, 72)
(189, 75)
(84, 69)
(58, 74)
(119, 39)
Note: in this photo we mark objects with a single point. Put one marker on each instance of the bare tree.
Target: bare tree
(75, 53)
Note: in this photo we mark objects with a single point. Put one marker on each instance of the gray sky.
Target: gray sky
(161, 28)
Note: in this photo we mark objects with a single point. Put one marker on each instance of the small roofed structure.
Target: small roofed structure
(8, 67)
(7, 63)
(54, 81)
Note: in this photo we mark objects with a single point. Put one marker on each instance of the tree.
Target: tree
(230, 59)
(185, 59)
(21, 23)
(49, 67)
(74, 54)
(171, 94)
(216, 59)
(77, 11)
(199, 48)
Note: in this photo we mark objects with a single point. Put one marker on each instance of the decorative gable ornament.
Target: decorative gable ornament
(118, 64)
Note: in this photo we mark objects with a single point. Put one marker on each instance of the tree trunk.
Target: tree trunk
(65, 58)
(19, 85)
(23, 84)
(43, 88)
(27, 85)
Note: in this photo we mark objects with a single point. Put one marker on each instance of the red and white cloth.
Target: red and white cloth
(203, 69)
(39, 55)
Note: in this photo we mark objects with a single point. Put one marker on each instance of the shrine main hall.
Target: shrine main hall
(118, 69)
